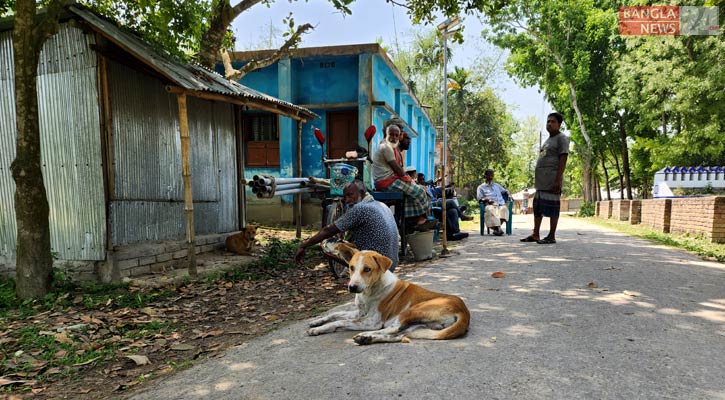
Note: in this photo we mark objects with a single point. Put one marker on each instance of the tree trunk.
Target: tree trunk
(664, 123)
(34, 262)
(606, 177)
(625, 158)
(213, 37)
(598, 191)
(222, 15)
(619, 175)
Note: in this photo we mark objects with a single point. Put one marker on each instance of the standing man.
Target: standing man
(370, 222)
(548, 179)
(491, 194)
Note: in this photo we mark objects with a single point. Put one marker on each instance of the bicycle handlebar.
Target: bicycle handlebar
(343, 159)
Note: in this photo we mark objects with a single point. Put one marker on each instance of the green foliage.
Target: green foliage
(524, 152)
(171, 26)
(66, 293)
(586, 209)
(479, 123)
(664, 92)
(279, 254)
(7, 294)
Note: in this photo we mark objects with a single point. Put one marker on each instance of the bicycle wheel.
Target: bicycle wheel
(334, 211)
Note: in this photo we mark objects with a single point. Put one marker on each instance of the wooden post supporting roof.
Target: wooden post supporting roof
(186, 174)
(298, 196)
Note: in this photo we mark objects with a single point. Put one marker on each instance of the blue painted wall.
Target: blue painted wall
(263, 80)
(348, 81)
(325, 80)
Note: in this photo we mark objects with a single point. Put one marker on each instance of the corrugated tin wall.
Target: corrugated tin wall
(7, 147)
(71, 145)
(148, 195)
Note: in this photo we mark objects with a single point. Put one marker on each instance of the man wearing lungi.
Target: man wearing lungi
(548, 179)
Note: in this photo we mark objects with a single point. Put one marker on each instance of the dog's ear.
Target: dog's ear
(346, 251)
(384, 262)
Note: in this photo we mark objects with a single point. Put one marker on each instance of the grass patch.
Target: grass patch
(91, 296)
(694, 244)
(277, 257)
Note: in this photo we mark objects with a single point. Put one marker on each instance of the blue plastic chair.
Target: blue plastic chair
(509, 222)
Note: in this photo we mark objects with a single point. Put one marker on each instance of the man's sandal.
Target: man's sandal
(546, 240)
(529, 238)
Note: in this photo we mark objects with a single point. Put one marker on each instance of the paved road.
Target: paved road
(653, 328)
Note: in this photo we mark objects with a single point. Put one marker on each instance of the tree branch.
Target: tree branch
(243, 6)
(285, 50)
(570, 82)
(398, 4)
(49, 22)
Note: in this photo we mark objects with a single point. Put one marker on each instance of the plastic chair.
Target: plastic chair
(509, 222)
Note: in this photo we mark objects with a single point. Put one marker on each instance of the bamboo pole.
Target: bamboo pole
(186, 174)
(298, 196)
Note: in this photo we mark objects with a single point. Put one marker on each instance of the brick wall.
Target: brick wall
(656, 214)
(635, 212)
(597, 209)
(605, 209)
(132, 260)
(620, 209)
(703, 216)
(144, 258)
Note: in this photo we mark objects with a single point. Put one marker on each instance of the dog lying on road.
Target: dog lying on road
(389, 309)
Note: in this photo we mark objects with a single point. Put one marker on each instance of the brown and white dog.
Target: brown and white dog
(242, 242)
(389, 309)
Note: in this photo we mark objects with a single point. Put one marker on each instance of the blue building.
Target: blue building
(350, 88)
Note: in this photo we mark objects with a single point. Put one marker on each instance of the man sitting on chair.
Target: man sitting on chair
(388, 175)
(492, 194)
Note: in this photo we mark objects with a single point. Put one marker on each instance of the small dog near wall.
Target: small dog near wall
(389, 309)
(242, 242)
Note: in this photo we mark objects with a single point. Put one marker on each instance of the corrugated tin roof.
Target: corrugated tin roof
(187, 76)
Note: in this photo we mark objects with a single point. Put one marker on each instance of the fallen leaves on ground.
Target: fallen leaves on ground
(498, 274)
(84, 353)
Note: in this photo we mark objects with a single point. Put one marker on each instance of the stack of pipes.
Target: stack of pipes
(268, 186)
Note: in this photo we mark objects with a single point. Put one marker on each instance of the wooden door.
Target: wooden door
(341, 132)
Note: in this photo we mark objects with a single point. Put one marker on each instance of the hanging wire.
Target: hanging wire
(395, 29)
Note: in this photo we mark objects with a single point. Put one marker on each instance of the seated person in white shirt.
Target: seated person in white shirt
(491, 194)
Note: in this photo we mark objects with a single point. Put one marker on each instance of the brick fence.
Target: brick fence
(703, 216)
(635, 212)
(620, 210)
(604, 209)
(566, 205)
(656, 214)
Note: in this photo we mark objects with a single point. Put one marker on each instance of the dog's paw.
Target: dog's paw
(362, 339)
(316, 322)
(313, 332)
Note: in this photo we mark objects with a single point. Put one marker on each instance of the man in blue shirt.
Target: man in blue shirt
(492, 194)
(370, 223)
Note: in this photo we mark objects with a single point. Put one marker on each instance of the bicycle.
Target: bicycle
(333, 207)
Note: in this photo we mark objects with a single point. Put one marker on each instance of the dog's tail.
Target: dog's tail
(453, 316)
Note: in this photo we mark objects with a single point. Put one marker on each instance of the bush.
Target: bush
(587, 209)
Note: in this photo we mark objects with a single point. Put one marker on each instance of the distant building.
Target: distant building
(349, 87)
(670, 178)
